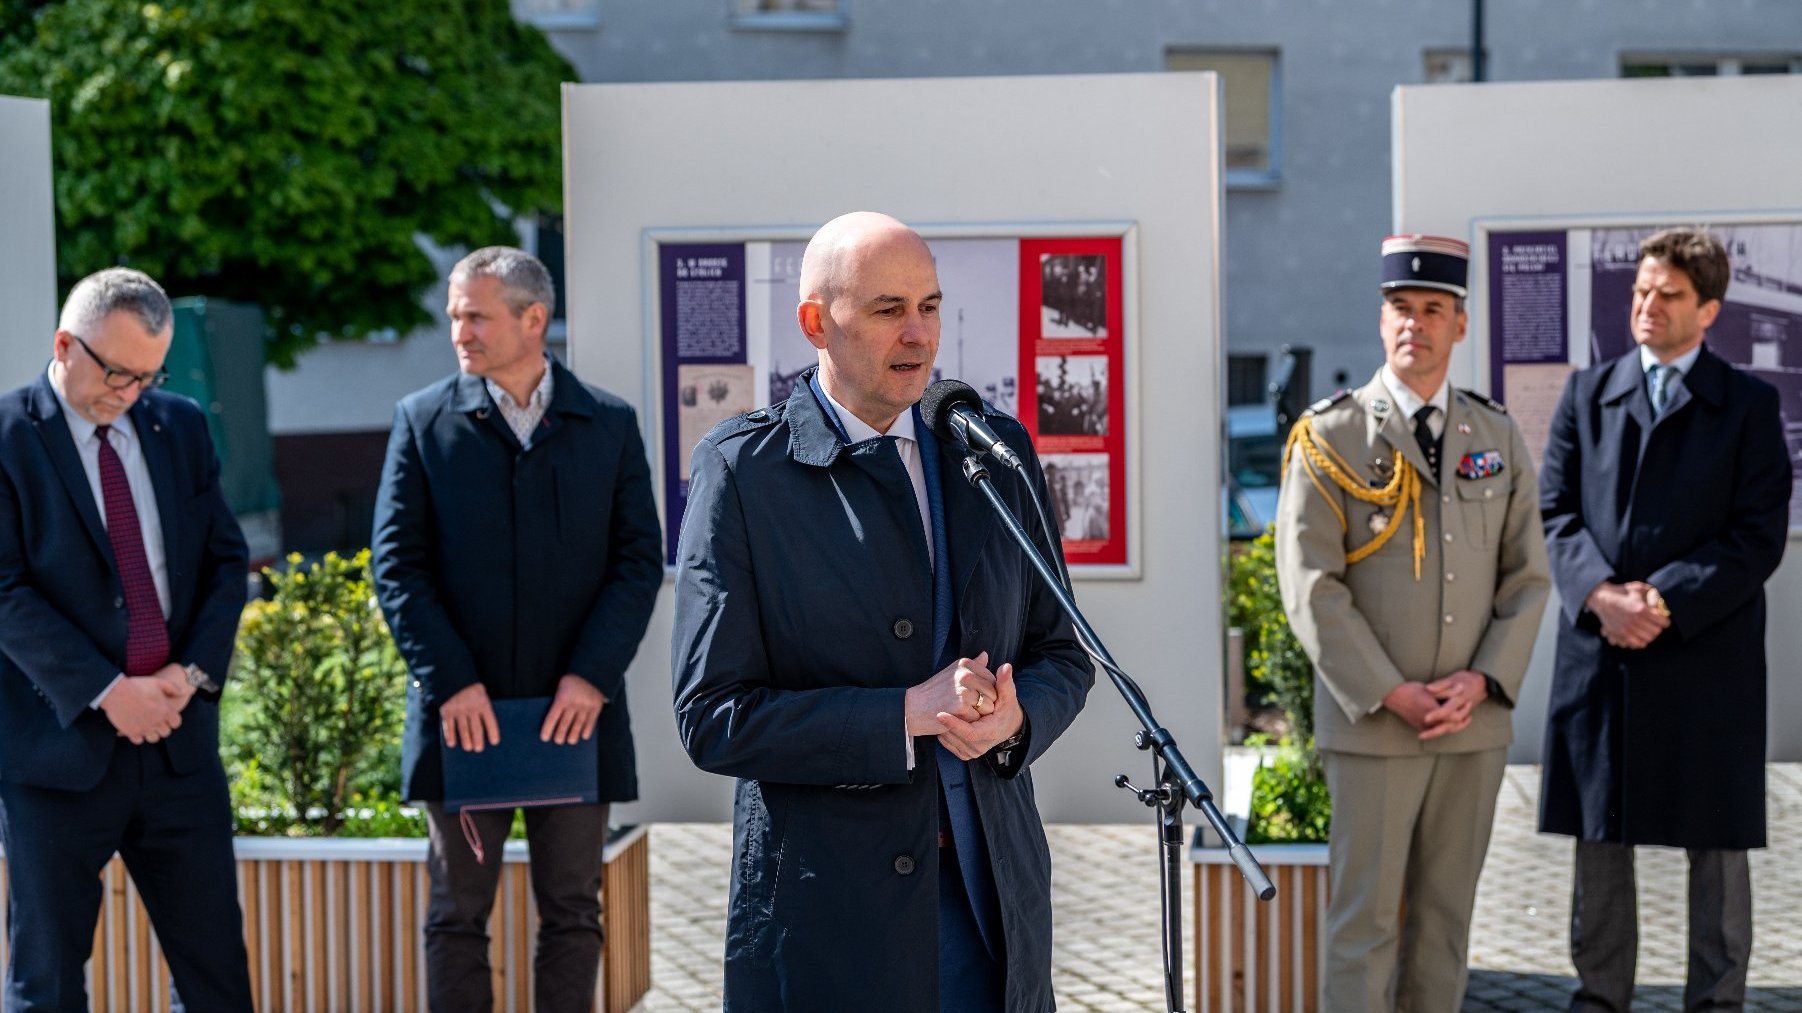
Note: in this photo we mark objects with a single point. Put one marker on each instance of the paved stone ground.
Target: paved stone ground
(1104, 890)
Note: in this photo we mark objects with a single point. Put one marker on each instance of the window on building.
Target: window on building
(1447, 66)
(1250, 95)
(1247, 379)
(790, 15)
(558, 13)
(1708, 64)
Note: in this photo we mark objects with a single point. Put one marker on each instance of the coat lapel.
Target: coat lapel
(1455, 440)
(47, 419)
(969, 520)
(159, 460)
(1385, 422)
(473, 401)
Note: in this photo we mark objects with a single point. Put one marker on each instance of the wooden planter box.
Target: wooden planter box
(335, 925)
(1257, 957)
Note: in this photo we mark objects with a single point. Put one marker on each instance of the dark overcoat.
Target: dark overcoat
(1665, 744)
(514, 567)
(803, 614)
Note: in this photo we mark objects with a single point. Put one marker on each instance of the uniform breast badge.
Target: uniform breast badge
(1482, 464)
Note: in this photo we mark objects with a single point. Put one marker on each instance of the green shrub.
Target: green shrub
(1277, 670)
(1289, 800)
(311, 730)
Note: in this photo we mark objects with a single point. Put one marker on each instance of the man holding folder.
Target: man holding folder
(517, 557)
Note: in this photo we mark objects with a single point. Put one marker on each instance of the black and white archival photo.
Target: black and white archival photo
(1079, 495)
(1073, 395)
(1074, 296)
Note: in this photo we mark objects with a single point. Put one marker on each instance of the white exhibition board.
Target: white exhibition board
(948, 155)
(1683, 150)
(28, 256)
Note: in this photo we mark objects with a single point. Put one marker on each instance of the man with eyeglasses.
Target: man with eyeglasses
(121, 580)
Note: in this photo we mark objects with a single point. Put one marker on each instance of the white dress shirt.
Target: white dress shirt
(1409, 403)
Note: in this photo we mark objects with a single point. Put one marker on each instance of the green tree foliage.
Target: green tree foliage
(316, 704)
(289, 153)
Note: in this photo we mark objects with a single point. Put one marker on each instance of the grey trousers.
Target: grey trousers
(1604, 929)
(566, 845)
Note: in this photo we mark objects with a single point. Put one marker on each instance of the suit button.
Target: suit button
(1448, 536)
(1448, 618)
(1445, 499)
(1449, 576)
(904, 864)
(118, 603)
(903, 629)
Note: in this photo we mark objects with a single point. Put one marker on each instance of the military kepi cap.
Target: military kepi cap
(1426, 262)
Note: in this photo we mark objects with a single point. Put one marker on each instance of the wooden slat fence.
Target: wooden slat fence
(335, 925)
(1258, 957)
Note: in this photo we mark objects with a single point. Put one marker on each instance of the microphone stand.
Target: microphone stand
(1177, 782)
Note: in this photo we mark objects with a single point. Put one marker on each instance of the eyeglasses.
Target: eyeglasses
(119, 379)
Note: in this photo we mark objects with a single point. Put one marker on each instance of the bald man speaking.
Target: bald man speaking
(859, 643)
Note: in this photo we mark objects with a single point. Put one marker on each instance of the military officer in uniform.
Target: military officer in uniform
(1413, 570)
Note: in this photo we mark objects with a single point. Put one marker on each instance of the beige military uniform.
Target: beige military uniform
(1409, 814)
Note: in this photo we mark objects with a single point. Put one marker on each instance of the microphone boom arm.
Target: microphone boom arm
(1157, 738)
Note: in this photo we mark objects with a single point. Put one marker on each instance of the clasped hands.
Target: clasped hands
(969, 708)
(1440, 707)
(467, 720)
(147, 708)
(1631, 614)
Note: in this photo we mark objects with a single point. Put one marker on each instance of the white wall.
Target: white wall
(28, 249)
(1658, 150)
(944, 152)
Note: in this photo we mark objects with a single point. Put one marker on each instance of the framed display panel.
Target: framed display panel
(1038, 318)
(1555, 295)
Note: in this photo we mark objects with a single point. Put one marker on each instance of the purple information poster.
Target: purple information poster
(1529, 301)
(706, 375)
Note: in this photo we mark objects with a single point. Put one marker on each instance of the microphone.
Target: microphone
(953, 411)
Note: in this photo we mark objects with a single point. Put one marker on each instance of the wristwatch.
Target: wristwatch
(198, 679)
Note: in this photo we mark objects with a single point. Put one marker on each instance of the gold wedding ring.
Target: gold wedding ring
(1656, 602)
(979, 702)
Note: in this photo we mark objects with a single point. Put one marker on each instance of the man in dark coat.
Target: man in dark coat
(517, 554)
(121, 582)
(1665, 493)
(860, 643)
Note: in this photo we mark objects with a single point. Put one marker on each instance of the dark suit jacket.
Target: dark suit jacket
(803, 613)
(1664, 745)
(513, 567)
(62, 608)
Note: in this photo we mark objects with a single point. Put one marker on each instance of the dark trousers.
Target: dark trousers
(1604, 929)
(566, 845)
(174, 833)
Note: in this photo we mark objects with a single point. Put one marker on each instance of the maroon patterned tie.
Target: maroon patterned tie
(146, 635)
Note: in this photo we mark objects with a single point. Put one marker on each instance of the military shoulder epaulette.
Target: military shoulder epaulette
(1327, 402)
(1483, 399)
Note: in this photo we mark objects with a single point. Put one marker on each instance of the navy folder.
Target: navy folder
(523, 770)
